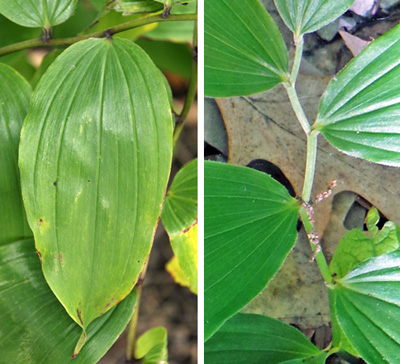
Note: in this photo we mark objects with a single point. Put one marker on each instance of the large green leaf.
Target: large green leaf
(179, 216)
(151, 347)
(249, 228)
(35, 327)
(367, 305)
(306, 16)
(44, 13)
(253, 339)
(15, 94)
(359, 112)
(95, 157)
(244, 52)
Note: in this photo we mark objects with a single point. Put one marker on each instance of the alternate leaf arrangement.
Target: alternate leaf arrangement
(91, 149)
(250, 219)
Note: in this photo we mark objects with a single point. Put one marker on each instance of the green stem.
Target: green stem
(191, 93)
(299, 43)
(319, 256)
(114, 30)
(310, 165)
(297, 108)
(132, 328)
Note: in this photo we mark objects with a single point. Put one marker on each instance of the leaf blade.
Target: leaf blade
(46, 333)
(250, 227)
(359, 110)
(38, 14)
(15, 95)
(244, 51)
(254, 339)
(106, 232)
(368, 306)
(303, 17)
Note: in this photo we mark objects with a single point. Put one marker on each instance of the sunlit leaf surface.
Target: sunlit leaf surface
(95, 157)
(44, 13)
(359, 113)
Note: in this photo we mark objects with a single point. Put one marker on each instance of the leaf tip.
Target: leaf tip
(79, 344)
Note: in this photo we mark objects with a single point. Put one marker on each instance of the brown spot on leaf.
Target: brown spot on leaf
(40, 255)
(78, 312)
(62, 260)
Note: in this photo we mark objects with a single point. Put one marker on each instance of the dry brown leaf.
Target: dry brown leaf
(264, 126)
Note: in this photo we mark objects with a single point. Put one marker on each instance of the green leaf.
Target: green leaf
(184, 245)
(356, 247)
(35, 327)
(306, 16)
(15, 94)
(368, 308)
(138, 6)
(151, 347)
(95, 157)
(173, 268)
(179, 216)
(249, 228)
(45, 13)
(339, 339)
(251, 339)
(180, 206)
(175, 31)
(359, 112)
(244, 52)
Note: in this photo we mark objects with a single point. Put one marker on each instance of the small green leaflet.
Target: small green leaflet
(367, 303)
(95, 157)
(253, 339)
(244, 52)
(151, 347)
(44, 13)
(359, 111)
(306, 16)
(249, 228)
(15, 94)
(356, 246)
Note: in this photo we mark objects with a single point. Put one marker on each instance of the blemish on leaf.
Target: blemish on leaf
(88, 180)
(40, 255)
(55, 183)
(78, 312)
(61, 260)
